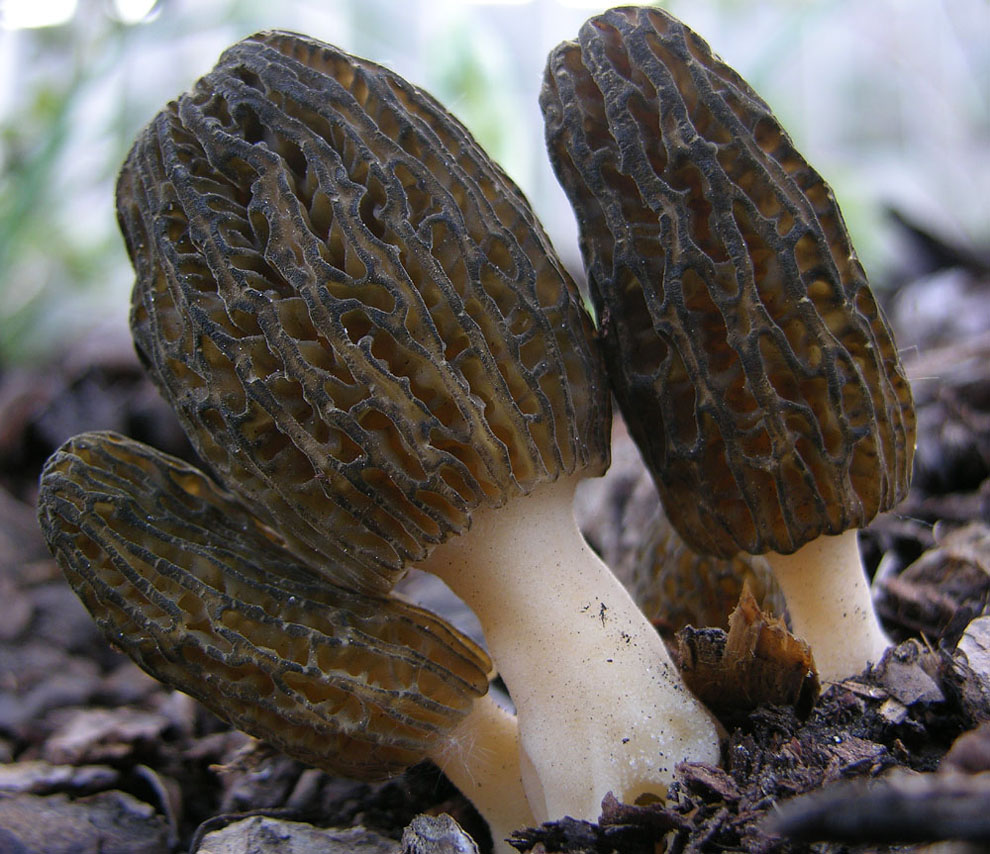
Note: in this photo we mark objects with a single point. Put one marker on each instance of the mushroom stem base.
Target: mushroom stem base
(481, 758)
(828, 598)
(601, 707)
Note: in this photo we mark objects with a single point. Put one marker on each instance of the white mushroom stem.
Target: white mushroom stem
(481, 757)
(828, 599)
(601, 707)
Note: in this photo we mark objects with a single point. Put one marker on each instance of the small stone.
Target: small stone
(102, 735)
(893, 711)
(40, 777)
(971, 670)
(975, 645)
(109, 822)
(427, 834)
(903, 676)
(261, 833)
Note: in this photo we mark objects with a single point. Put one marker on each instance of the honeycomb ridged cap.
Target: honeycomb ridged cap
(675, 586)
(746, 350)
(362, 326)
(205, 597)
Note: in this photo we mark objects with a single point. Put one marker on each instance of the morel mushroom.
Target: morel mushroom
(206, 598)
(756, 371)
(367, 335)
(675, 586)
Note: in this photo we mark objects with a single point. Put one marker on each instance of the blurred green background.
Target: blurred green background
(888, 99)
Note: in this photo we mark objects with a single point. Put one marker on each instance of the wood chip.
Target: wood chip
(757, 661)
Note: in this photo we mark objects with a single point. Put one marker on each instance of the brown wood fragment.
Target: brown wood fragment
(849, 754)
(708, 780)
(655, 815)
(901, 808)
(622, 827)
(757, 661)
(945, 588)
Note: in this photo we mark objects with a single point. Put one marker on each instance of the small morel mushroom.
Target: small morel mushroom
(367, 335)
(749, 357)
(206, 598)
(675, 586)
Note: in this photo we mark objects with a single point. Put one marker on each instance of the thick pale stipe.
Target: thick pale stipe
(601, 706)
(829, 602)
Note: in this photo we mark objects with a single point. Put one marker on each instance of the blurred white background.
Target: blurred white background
(888, 99)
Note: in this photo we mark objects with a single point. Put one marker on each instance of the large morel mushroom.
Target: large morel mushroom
(207, 598)
(746, 350)
(367, 336)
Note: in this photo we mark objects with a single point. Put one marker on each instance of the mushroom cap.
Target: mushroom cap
(206, 598)
(355, 313)
(676, 586)
(746, 350)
